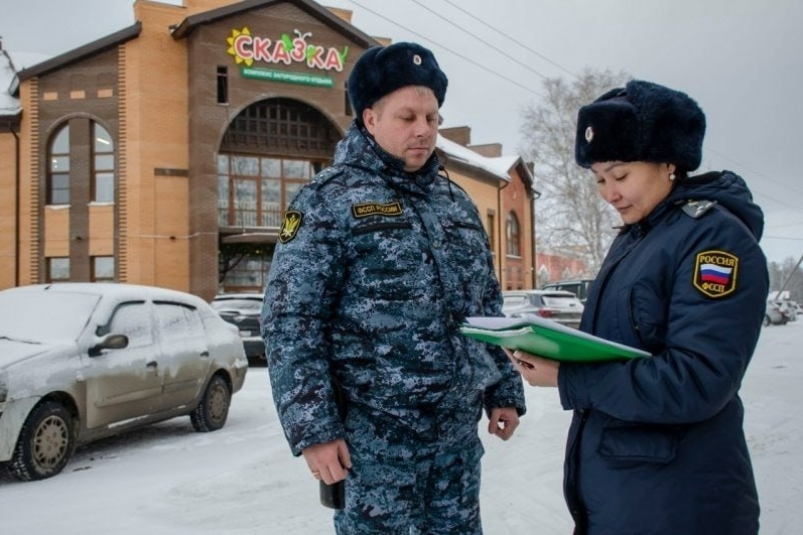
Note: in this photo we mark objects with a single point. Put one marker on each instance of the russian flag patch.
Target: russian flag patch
(715, 273)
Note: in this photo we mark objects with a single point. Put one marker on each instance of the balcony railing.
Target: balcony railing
(268, 215)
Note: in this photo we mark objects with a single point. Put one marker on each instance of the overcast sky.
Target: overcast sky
(740, 59)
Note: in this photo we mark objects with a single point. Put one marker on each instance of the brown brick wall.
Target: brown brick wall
(207, 50)
(30, 209)
(155, 110)
(518, 272)
(157, 97)
(77, 95)
(8, 210)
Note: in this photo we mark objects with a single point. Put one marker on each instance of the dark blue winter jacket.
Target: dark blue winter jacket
(656, 445)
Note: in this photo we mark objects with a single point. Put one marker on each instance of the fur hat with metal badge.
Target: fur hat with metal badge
(643, 122)
(382, 70)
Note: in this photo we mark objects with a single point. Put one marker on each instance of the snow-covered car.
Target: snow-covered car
(83, 361)
(243, 310)
(774, 314)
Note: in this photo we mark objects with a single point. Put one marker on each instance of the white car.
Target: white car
(82, 361)
(557, 305)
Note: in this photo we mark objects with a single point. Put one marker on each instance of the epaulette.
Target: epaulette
(696, 209)
(326, 175)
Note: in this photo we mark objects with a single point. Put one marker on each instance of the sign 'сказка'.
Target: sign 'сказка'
(248, 50)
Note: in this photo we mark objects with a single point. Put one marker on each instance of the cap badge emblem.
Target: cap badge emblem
(589, 134)
(417, 59)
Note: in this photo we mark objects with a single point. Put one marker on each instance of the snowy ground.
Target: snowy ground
(166, 479)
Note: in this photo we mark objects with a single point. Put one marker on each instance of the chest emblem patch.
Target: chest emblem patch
(391, 209)
(290, 226)
(715, 273)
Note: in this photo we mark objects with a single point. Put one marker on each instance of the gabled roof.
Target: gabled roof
(498, 167)
(101, 45)
(324, 15)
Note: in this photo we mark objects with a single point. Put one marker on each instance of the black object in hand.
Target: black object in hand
(333, 496)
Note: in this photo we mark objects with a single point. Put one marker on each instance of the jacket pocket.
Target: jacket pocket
(638, 444)
(649, 316)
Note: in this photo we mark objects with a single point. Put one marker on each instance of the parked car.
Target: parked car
(83, 361)
(790, 309)
(578, 287)
(243, 310)
(783, 299)
(774, 314)
(561, 306)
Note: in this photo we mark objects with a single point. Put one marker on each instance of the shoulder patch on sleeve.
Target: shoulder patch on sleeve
(695, 209)
(715, 273)
(290, 225)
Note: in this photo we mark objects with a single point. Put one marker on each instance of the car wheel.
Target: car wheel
(45, 444)
(211, 413)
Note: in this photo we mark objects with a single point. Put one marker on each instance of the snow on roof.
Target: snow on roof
(10, 64)
(8, 104)
(499, 166)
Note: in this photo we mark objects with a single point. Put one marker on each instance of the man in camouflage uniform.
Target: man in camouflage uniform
(379, 262)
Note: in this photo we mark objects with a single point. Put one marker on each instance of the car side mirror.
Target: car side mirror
(110, 341)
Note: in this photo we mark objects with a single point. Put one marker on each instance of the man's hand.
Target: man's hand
(328, 462)
(503, 422)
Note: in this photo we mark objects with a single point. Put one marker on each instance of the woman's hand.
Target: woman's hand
(535, 370)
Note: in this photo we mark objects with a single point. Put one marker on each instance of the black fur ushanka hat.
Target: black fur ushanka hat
(642, 122)
(382, 70)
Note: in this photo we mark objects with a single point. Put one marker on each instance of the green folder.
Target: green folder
(547, 338)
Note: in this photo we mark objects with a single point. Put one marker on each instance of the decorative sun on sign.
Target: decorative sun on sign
(232, 41)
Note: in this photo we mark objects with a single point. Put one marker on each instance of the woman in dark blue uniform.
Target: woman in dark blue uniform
(656, 445)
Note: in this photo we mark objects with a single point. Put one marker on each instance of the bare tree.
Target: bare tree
(787, 275)
(571, 217)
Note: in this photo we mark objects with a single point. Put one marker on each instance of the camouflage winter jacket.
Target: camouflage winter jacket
(374, 271)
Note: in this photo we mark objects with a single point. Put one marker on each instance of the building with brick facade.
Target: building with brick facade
(165, 153)
(559, 267)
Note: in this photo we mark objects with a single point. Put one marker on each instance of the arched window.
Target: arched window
(102, 165)
(281, 126)
(270, 150)
(513, 235)
(101, 155)
(58, 168)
